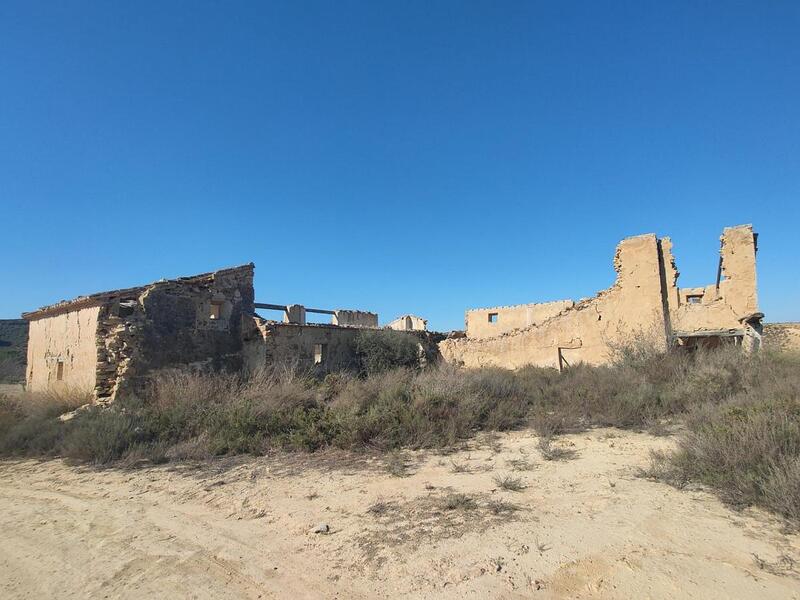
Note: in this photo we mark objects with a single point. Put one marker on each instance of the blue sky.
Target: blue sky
(420, 157)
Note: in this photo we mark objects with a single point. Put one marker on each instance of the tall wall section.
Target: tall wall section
(730, 302)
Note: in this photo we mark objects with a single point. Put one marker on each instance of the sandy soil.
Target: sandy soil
(242, 528)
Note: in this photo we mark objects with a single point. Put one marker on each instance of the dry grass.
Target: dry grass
(502, 507)
(520, 464)
(554, 452)
(509, 483)
(740, 416)
(459, 467)
(458, 501)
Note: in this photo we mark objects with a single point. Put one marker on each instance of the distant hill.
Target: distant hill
(13, 350)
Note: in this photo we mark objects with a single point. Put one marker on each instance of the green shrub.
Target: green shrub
(380, 350)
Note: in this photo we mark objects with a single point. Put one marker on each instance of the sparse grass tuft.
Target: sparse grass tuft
(458, 501)
(520, 464)
(502, 507)
(380, 508)
(509, 482)
(551, 452)
(459, 467)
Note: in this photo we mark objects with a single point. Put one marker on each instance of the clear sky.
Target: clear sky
(420, 157)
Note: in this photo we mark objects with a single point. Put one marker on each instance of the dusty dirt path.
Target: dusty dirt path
(587, 528)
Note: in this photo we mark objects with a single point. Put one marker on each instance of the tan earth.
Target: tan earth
(242, 528)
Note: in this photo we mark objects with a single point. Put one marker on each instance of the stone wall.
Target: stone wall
(193, 322)
(312, 346)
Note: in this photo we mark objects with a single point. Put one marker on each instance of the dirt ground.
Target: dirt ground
(417, 524)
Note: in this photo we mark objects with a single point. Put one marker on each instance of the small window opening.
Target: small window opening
(694, 299)
(319, 353)
(216, 310)
(60, 370)
(492, 317)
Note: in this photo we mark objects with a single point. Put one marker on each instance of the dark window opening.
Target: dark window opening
(319, 353)
(694, 299)
(216, 310)
(60, 370)
(492, 317)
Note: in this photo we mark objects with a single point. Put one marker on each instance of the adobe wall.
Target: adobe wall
(783, 337)
(408, 323)
(355, 318)
(509, 318)
(586, 331)
(723, 305)
(70, 339)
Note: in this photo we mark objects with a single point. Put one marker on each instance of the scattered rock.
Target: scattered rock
(321, 528)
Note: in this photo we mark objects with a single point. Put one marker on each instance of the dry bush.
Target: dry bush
(29, 422)
(741, 435)
(747, 446)
(380, 350)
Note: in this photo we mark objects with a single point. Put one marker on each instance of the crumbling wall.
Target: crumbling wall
(408, 323)
(355, 318)
(195, 322)
(727, 304)
(62, 352)
(491, 322)
(312, 346)
(782, 337)
(587, 331)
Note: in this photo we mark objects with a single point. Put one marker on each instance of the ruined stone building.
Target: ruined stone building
(105, 343)
(644, 301)
(110, 342)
